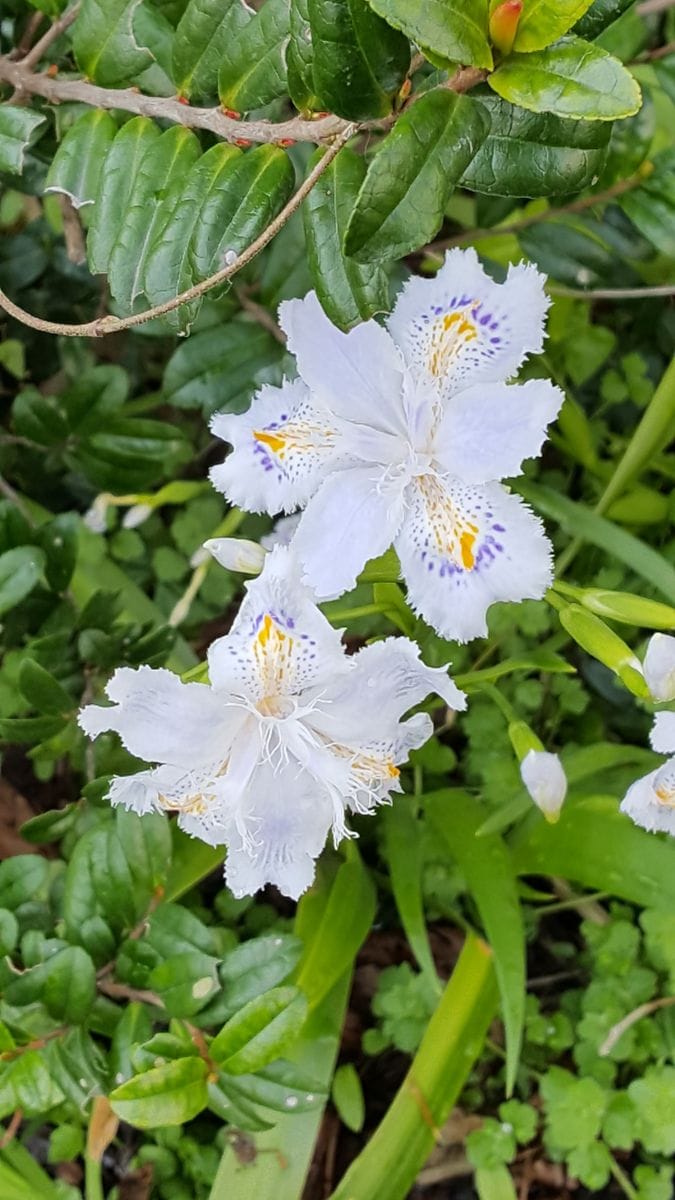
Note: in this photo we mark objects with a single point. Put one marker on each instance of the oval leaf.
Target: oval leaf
(79, 162)
(18, 130)
(402, 199)
(105, 44)
(544, 21)
(110, 210)
(359, 61)
(455, 30)
(167, 1095)
(254, 70)
(571, 79)
(20, 570)
(202, 40)
(260, 1032)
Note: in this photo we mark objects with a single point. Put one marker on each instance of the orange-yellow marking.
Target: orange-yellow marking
(449, 334)
(666, 796)
(276, 444)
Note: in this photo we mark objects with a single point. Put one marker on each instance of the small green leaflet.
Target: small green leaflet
(18, 130)
(571, 79)
(456, 30)
(544, 21)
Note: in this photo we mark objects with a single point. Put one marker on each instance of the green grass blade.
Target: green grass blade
(387, 1168)
(486, 865)
(403, 847)
(580, 521)
(653, 434)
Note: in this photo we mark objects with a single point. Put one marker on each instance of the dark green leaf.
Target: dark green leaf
(535, 154)
(243, 203)
(454, 29)
(110, 210)
(571, 79)
(359, 61)
(18, 130)
(599, 15)
(299, 58)
(26, 1084)
(544, 21)
(133, 1027)
(256, 966)
(70, 985)
(651, 207)
(9, 933)
(173, 929)
(146, 842)
(402, 199)
(79, 163)
(220, 367)
(348, 292)
(260, 1032)
(203, 39)
(20, 570)
(161, 170)
(104, 42)
(29, 729)
(58, 539)
(168, 268)
(48, 826)
(43, 691)
(281, 1086)
(168, 1095)
(254, 71)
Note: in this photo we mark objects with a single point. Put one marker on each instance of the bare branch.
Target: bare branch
(636, 293)
(104, 325)
(53, 33)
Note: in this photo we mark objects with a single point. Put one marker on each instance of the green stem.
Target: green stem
(93, 1184)
(388, 1166)
(623, 1180)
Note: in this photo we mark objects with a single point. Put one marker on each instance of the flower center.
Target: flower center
(664, 785)
(276, 707)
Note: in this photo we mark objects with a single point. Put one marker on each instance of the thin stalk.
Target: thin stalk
(93, 1184)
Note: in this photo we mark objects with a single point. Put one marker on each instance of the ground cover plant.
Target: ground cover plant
(337, 599)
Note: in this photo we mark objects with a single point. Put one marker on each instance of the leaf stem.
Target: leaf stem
(93, 1184)
(622, 1179)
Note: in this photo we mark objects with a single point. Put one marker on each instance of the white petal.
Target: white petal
(282, 533)
(486, 431)
(291, 818)
(659, 667)
(357, 375)
(386, 681)
(544, 777)
(662, 736)
(161, 719)
(237, 554)
(354, 516)
(461, 327)
(462, 548)
(643, 806)
(279, 643)
(139, 793)
(282, 448)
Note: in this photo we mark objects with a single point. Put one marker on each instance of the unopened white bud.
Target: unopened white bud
(201, 555)
(95, 517)
(544, 777)
(237, 554)
(136, 515)
(659, 667)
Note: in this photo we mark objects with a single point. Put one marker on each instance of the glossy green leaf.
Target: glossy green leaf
(146, 844)
(161, 169)
(20, 570)
(256, 966)
(629, 144)
(133, 1028)
(600, 14)
(457, 30)
(583, 522)
(596, 845)
(121, 168)
(281, 1086)
(70, 985)
(345, 922)
(26, 1084)
(219, 368)
(42, 690)
(173, 929)
(22, 878)
(246, 199)
(348, 292)
(651, 206)
(9, 933)
(58, 540)
(487, 867)
(544, 21)
(571, 79)
(402, 200)
(254, 70)
(19, 129)
(403, 848)
(79, 162)
(29, 729)
(359, 61)
(203, 39)
(260, 1032)
(104, 42)
(153, 31)
(577, 250)
(167, 1095)
(300, 58)
(347, 1096)
(388, 1166)
(185, 983)
(535, 154)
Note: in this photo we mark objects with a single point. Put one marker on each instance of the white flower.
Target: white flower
(136, 515)
(282, 533)
(544, 777)
(402, 435)
(650, 801)
(237, 554)
(96, 516)
(290, 735)
(659, 667)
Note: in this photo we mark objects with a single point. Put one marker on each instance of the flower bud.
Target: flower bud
(598, 640)
(504, 25)
(659, 667)
(544, 777)
(136, 515)
(237, 554)
(627, 608)
(96, 517)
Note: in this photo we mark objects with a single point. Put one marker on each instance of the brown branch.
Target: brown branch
(26, 41)
(549, 214)
(260, 314)
(104, 325)
(120, 991)
(636, 293)
(52, 34)
(654, 6)
(12, 1129)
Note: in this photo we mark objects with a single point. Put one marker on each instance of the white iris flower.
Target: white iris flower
(544, 777)
(402, 435)
(659, 667)
(289, 737)
(650, 801)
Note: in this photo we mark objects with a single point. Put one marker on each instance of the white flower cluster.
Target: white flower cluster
(388, 435)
